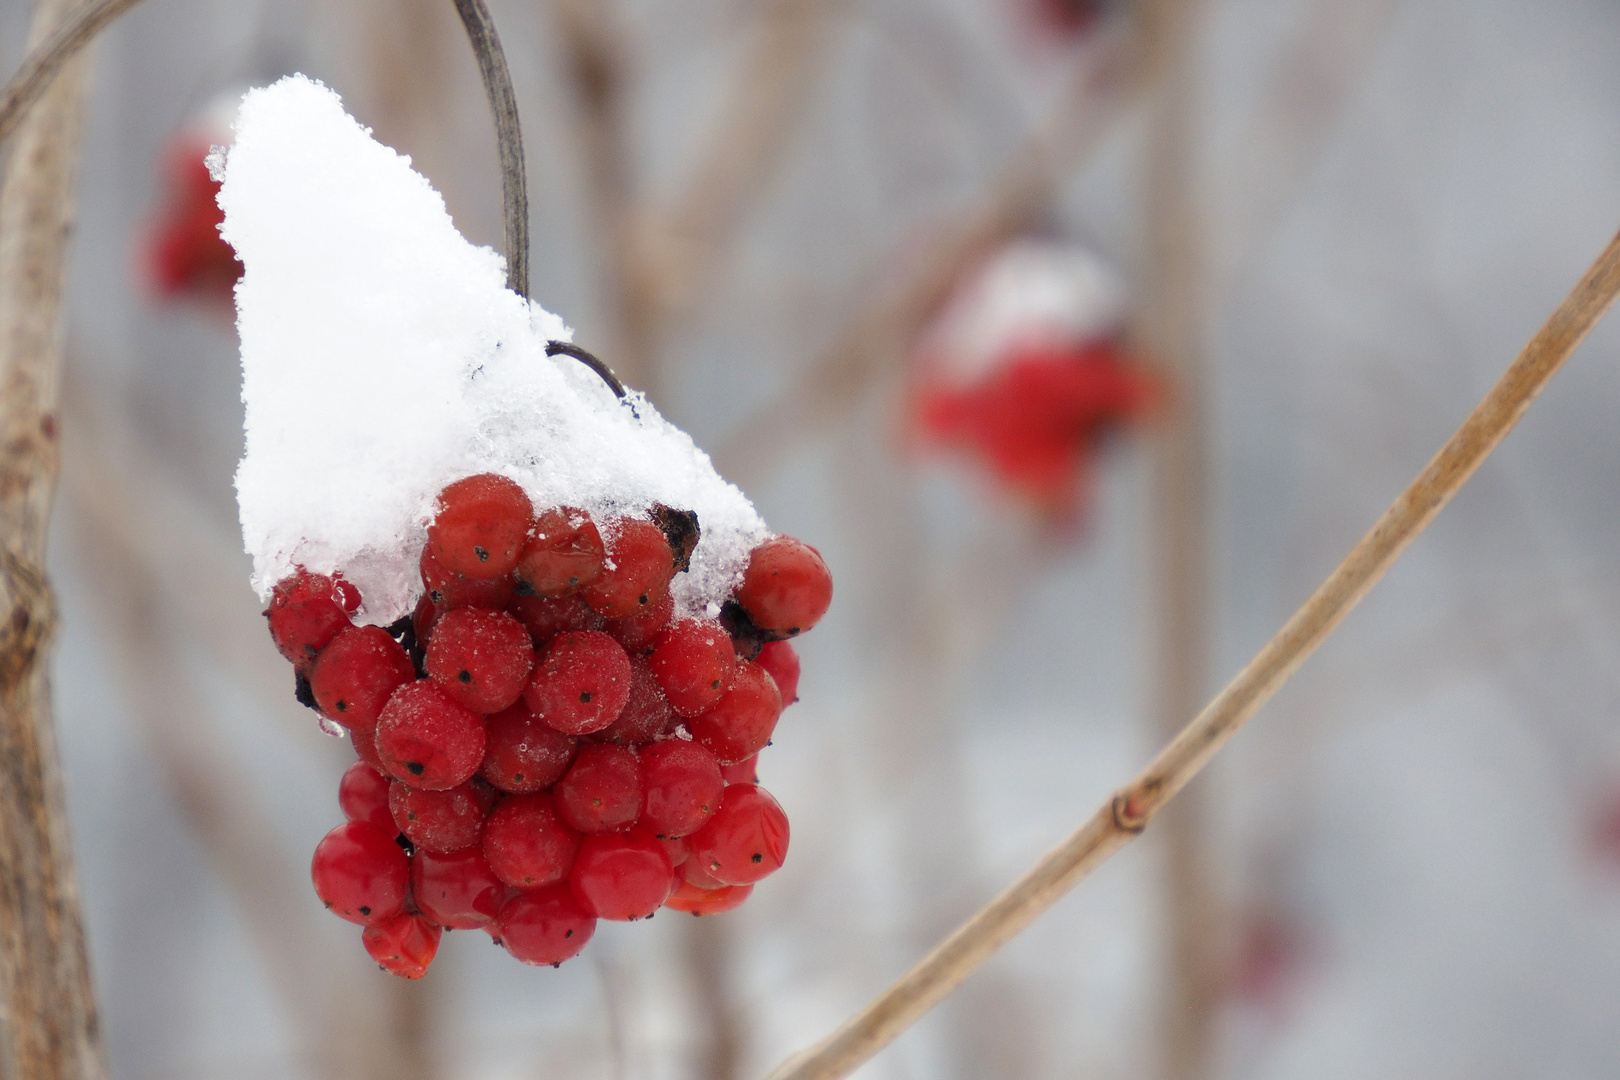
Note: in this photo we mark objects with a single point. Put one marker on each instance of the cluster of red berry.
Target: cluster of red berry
(184, 253)
(542, 744)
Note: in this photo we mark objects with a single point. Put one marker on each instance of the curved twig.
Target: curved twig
(1129, 811)
(44, 61)
(486, 46)
(565, 348)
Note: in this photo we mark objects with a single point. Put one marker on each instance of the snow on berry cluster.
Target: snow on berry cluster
(544, 742)
(556, 637)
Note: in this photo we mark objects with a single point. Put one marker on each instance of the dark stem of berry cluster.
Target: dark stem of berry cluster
(564, 348)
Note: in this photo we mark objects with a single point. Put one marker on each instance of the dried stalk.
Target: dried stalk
(1129, 811)
(884, 326)
(48, 1025)
(486, 46)
(46, 57)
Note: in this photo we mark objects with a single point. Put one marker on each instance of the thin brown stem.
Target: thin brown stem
(48, 1026)
(46, 57)
(486, 46)
(1124, 816)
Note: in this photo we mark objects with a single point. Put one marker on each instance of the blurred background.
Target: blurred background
(1083, 339)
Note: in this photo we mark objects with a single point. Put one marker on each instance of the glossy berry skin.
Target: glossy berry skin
(524, 754)
(692, 872)
(404, 945)
(695, 901)
(786, 588)
(646, 713)
(438, 821)
(695, 664)
(306, 612)
(480, 659)
(741, 724)
(683, 787)
(427, 740)
(744, 772)
(638, 633)
(526, 842)
(447, 590)
(781, 659)
(622, 877)
(360, 874)
(457, 890)
(545, 619)
(480, 526)
(564, 553)
(636, 574)
(546, 926)
(363, 796)
(581, 682)
(746, 840)
(365, 748)
(355, 675)
(602, 792)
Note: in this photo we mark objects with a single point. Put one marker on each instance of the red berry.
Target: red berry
(457, 890)
(447, 589)
(741, 724)
(636, 574)
(526, 842)
(622, 877)
(546, 926)
(744, 772)
(782, 661)
(347, 596)
(602, 792)
(424, 618)
(404, 945)
(524, 754)
(581, 683)
(564, 553)
(695, 664)
(639, 632)
(360, 874)
(745, 840)
(696, 901)
(363, 796)
(365, 747)
(356, 674)
(545, 619)
(693, 873)
(683, 787)
(306, 612)
(427, 740)
(646, 713)
(480, 659)
(786, 588)
(438, 821)
(480, 525)
(675, 848)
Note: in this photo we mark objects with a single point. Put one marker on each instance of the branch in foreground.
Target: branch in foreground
(1127, 814)
(486, 46)
(43, 61)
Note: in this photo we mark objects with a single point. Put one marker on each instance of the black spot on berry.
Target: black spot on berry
(568, 935)
(517, 778)
(365, 911)
(573, 580)
(342, 706)
(464, 675)
(642, 599)
(757, 857)
(405, 844)
(483, 556)
(558, 964)
(416, 768)
(715, 685)
(584, 696)
(303, 691)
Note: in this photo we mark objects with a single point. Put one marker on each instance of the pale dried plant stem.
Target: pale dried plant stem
(48, 1020)
(1124, 816)
(47, 55)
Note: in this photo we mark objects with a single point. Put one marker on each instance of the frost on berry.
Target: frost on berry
(563, 554)
(741, 723)
(683, 787)
(438, 821)
(786, 588)
(746, 839)
(639, 632)
(360, 874)
(695, 664)
(480, 525)
(457, 890)
(545, 926)
(695, 901)
(355, 675)
(646, 712)
(480, 659)
(363, 796)
(524, 754)
(581, 682)
(602, 791)
(636, 574)
(306, 612)
(526, 842)
(445, 589)
(404, 945)
(622, 877)
(427, 740)
(546, 618)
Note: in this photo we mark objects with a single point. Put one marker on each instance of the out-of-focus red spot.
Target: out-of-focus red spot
(1272, 952)
(182, 253)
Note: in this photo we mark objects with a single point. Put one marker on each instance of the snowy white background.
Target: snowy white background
(1413, 814)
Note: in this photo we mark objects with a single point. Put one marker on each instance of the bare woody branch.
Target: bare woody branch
(50, 1029)
(1132, 808)
(486, 46)
(47, 56)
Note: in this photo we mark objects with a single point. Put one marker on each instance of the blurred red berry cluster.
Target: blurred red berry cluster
(183, 256)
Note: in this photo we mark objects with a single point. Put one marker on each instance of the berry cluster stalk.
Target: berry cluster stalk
(1128, 812)
(486, 46)
(50, 1027)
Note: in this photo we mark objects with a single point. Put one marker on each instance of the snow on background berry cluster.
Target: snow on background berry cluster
(383, 357)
